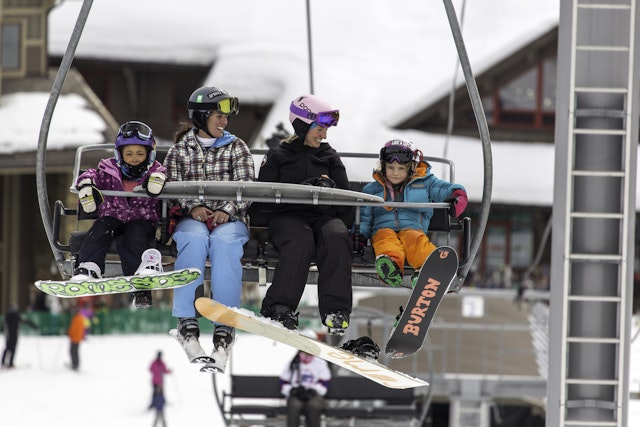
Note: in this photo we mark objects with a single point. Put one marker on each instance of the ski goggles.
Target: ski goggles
(324, 118)
(227, 106)
(397, 155)
(138, 129)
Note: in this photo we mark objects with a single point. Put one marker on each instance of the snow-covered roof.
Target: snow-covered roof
(378, 62)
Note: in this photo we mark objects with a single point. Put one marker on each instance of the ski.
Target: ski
(120, 284)
(248, 321)
(218, 363)
(196, 353)
(438, 271)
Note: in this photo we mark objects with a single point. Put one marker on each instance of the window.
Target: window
(10, 46)
(529, 100)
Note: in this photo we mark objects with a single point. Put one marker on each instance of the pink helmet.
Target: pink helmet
(310, 109)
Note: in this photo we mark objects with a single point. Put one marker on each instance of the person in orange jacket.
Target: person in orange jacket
(76, 332)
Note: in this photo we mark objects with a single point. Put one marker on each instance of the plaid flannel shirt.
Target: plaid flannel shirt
(186, 161)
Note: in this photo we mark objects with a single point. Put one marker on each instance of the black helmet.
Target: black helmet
(205, 100)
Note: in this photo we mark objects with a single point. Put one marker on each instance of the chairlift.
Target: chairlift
(260, 257)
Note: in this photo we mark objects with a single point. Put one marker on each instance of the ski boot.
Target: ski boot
(86, 271)
(151, 264)
(388, 271)
(336, 322)
(223, 339)
(363, 347)
(188, 335)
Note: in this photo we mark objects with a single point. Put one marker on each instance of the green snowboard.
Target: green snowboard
(120, 284)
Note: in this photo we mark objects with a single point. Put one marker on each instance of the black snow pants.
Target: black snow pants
(299, 240)
(132, 239)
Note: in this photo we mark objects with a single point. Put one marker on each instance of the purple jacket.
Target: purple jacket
(126, 209)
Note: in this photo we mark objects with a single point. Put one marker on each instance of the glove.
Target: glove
(458, 200)
(154, 183)
(90, 197)
(302, 393)
(320, 181)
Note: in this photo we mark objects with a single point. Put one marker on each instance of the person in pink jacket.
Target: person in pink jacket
(158, 370)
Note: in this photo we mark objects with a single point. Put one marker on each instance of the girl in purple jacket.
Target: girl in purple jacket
(130, 221)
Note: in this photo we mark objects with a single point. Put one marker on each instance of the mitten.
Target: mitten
(458, 200)
(90, 197)
(154, 183)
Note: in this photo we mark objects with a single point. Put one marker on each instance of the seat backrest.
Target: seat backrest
(255, 386)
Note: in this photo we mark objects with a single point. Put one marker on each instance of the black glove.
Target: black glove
(359, 242)
(320, 181)
(301, 393)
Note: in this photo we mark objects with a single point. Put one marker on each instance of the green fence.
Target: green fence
(112, 321)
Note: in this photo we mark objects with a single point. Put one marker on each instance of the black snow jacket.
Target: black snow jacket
(294, 163)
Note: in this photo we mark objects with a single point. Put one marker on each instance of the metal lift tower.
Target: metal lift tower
(593, 214)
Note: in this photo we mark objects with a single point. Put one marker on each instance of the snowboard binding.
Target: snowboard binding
(363, 347)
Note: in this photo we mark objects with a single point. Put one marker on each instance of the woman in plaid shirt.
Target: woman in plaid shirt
(217, 229)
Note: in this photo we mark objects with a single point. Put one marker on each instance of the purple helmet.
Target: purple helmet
(135, 133)
(308, 109)
(399, 151)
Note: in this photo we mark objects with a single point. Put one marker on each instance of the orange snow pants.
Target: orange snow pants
(411, 245)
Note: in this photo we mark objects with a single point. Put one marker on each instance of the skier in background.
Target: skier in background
(399, 234)
(11, 327)
(304, 382)
(158, 370)
(130, 221)
(158, 402)
(76, 332)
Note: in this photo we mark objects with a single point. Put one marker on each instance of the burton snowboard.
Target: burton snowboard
(248, 321)
(436, 274)
(120, 284)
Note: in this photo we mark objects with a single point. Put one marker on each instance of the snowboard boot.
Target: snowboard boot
(336, 322)
(188, 334)
(388, 271)
(151, 263)
(86, 271)
(364, 347)
(284, 315)
(142, 299)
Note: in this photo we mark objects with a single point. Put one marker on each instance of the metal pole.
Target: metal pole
(41, 180)
(309, 47)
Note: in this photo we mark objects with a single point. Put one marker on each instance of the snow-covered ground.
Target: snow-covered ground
(113, 385)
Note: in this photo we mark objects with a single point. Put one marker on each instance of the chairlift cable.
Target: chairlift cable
(65, 65)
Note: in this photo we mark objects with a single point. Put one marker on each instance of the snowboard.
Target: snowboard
(120, 284)
(436, 274)
(248, 321)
